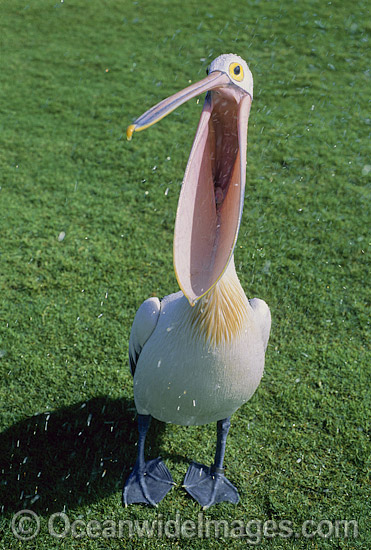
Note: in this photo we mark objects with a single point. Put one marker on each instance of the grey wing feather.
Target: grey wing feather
(263, 317)
(133, 359)
(144, 324)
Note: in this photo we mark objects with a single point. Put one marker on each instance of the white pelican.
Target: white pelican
(198, 355)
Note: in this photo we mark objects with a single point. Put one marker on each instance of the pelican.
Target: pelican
(198, 355)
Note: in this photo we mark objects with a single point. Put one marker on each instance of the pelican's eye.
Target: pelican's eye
(236, 71)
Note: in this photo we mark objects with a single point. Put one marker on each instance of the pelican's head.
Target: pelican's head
(237, 70)
(211, 200)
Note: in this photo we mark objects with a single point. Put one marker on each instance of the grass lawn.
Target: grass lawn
(86, 229)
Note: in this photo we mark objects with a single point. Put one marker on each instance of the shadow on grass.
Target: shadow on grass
(70, 456)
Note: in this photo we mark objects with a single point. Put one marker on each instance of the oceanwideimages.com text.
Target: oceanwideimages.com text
(26, 525)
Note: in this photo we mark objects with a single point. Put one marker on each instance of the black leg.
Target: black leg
(144, 422)
(209, 485)
(222, 434)
(149, 481)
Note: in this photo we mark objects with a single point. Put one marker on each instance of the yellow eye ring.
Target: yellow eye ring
(236, 71)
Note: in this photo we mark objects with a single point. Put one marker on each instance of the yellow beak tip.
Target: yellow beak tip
(129, 132)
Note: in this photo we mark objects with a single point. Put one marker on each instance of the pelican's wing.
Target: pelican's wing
(144, 324)
(263, 316)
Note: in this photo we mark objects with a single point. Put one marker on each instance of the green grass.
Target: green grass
(74, 74)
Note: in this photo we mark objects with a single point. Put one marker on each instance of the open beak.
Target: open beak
(215, 79)
(211, 199)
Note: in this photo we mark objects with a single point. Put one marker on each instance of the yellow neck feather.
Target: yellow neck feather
(221, 315)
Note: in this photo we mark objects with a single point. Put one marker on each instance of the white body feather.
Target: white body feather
(184, 374)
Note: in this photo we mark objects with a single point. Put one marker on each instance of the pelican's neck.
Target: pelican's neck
(220, 316)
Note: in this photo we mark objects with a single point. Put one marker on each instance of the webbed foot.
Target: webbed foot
(148, 485)
(208, 485)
